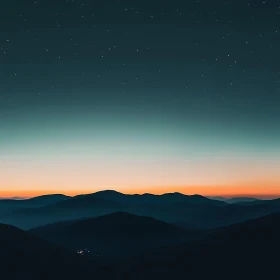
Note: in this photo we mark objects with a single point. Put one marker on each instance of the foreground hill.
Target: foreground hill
(24, 256)
(247, 250)
(115, 235)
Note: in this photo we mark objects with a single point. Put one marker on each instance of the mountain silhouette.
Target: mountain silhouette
(10, 207)
(246, 250)
(13, 204)
(234, 199)
(101, 203)
(25, 256)
(35, 201)
(115, 235)
(190, 212)
(167, 198)
(77, 207)
(47, 199)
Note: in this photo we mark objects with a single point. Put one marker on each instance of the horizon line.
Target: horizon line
(226, 196)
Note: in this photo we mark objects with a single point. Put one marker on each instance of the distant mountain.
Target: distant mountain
(115, 235)
(78, 207)
(220, 198)
(47, 199)
(234, 199)
(247, 250)
(12, 204)
(38, 200)
(10, 207)
(13, 198)
(241, 199)
(24, 256)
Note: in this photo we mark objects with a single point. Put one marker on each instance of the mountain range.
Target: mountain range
(190, 212)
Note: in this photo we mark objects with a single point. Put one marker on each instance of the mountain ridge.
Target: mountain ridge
(127, 234)
(245, 250)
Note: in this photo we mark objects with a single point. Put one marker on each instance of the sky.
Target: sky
(140, 96)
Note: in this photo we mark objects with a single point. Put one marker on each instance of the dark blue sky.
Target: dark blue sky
(195, 78)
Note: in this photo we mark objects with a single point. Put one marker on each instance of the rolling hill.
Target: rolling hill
(115, 235)
(25, 256)
(246, 250)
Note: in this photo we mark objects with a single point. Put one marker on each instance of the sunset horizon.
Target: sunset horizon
(197, 190)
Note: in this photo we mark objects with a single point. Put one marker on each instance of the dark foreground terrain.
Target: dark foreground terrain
(25, 256)
(122, 246)
(247, 250)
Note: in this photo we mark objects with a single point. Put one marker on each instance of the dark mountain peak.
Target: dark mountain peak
(109, 192)
(115, 235)
(198, 197)
(189, 199)
(87, 201)
(148, 194)
(49, 197)
(166, 198)
(174, 194)
(122, 219)
(125, 219)
(121, 224)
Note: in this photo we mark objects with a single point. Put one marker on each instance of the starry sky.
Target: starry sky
(140, 96)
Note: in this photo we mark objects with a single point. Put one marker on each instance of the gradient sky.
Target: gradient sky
(140, 96)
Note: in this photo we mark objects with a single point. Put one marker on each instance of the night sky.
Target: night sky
(140, 96)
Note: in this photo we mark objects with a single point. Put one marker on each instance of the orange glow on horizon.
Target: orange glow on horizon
(224, 191)
(256, 178)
